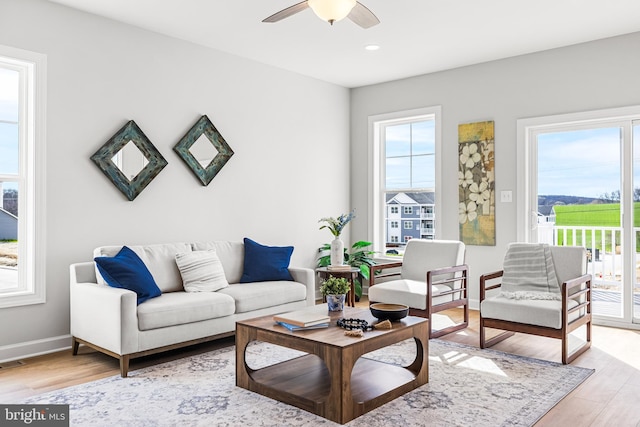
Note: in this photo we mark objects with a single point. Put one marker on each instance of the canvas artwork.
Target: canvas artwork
(476, 178)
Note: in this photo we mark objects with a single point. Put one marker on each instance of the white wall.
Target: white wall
(590, 76)
(287, 131)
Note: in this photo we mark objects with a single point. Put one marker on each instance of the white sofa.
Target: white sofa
(108, 319)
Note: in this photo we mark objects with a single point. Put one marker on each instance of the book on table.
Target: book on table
(339, 268)
(294, 328)
(302, 318)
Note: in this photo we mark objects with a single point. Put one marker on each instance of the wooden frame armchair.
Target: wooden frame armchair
(432, 278)
(547, 318)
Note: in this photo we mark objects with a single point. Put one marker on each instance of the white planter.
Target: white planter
(337, 252)
(335, 302)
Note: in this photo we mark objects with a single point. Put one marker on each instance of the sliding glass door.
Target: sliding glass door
(582, 188)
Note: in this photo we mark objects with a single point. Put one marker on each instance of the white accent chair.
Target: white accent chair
(554, 318)
(433, 278)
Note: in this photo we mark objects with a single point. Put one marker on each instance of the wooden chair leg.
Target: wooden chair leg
(74, 346)
(570, 357)
(124, 365)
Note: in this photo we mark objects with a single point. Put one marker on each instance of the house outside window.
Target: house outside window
(405, 157)
(22, 103)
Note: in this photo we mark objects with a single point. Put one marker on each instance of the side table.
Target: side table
(351, 275)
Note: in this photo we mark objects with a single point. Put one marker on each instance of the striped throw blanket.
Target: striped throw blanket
(529, 273)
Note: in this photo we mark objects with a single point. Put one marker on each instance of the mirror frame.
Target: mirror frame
(204, 126)
(102, 158)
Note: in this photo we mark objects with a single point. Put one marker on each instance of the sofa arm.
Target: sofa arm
(104, 316)
(306, 276)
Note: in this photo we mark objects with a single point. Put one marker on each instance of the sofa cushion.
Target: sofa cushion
(127, 271)
(265, 263)
(201, 271)
(408, 292)
(159, 259)
(547, 313)
(254, 296)
(177, 308)
(231, 256)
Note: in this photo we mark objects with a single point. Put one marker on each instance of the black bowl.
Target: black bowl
(384, 311)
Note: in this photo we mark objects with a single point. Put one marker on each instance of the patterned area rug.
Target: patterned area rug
(467, 386)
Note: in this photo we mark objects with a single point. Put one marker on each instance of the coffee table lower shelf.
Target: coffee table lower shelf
(305, 382)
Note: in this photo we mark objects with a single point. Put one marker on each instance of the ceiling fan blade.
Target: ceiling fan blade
(285, 13)
(362, 16)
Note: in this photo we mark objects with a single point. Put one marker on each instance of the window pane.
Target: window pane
(398, 140)
(9, 85)
(579, 175)
(423, 172)
(9, 237)
(9, 149)
(398, 172)
(423, 137)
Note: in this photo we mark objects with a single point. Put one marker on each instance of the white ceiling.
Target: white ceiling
(415, 36)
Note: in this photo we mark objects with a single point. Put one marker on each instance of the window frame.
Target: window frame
(376, 159)
(31, 176)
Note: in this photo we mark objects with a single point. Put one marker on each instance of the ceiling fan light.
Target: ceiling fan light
(331, 10)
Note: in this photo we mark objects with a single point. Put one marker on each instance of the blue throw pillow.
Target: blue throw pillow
(265, 263)
(127, 271)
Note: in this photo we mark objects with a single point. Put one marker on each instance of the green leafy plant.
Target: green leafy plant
(335, 286)
(359, 257)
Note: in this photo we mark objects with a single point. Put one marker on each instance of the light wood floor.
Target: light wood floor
(610, 397)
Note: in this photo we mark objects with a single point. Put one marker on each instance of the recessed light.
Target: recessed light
(372, 47)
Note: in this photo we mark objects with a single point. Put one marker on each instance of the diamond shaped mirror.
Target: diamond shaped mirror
(129, 160)
(204, 150)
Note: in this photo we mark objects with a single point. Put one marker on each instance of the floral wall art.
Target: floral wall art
(476, 178)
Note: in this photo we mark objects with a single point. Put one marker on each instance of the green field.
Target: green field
(593, 215)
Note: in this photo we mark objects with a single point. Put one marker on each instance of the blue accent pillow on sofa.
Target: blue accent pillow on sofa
(265, 263)
(127, 271)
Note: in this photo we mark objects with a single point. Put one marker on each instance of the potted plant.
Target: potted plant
(335, 226)
(360, 257)
(335, 290)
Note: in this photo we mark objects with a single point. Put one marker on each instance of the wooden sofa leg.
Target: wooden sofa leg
(74, 346)
(124, 365)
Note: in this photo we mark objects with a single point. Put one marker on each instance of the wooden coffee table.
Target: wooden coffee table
(331, 380)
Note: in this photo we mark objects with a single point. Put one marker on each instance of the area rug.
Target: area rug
(467, 387)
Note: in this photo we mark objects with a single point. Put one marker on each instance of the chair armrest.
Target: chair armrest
(487, 277)
(104, 316)
(306, 276)
(380, 267)
(577, 283)
(456, 282)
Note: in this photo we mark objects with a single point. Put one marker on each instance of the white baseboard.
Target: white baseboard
(27, 349)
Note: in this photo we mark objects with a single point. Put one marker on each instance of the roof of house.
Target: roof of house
(422, 198)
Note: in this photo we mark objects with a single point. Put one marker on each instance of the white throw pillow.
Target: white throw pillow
(201, 271)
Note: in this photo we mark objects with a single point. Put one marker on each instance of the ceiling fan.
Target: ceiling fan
(331, 11)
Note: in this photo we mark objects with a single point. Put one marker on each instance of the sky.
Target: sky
(583, 163)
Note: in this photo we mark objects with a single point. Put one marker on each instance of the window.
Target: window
(404, 168)
(407, 238)
(394, 239)
(22, 102)
(394, 224)
(408, 225)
